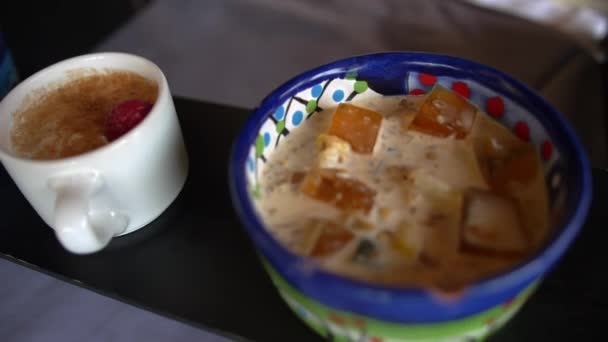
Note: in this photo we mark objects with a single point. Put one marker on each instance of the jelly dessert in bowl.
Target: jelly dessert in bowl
(408, 196)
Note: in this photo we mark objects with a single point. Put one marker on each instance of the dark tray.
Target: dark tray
(195, 263)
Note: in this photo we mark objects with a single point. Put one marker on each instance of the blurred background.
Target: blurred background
(234, 52)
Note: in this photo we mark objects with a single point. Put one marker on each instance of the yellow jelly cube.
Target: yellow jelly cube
(521, 177)
(493, 223)
(443, 218)
(333, 151)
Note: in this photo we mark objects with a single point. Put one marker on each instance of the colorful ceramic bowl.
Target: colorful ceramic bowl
(347, 310)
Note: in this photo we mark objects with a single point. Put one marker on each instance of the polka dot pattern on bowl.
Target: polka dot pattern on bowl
(329, 93)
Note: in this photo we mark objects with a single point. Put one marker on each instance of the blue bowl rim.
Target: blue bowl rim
(419, 300)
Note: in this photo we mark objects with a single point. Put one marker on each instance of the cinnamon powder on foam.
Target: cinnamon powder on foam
(68, 119)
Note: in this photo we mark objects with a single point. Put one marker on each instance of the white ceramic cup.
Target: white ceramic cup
(112, 190)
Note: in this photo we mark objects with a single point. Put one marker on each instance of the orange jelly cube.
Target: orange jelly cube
(492, 140)
(493, 144)
(358, 126)
(326, 185)
(444, 113)
(521, 167)
(332, 238)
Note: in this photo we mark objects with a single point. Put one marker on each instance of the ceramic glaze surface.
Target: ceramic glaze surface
(109, 191)
(306, 288)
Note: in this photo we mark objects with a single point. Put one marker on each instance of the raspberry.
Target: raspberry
(124, 117)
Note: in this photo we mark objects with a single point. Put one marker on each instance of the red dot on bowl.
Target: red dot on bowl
(490, 321)
(417, 91)
(522, 130)
(336, 319)
(495, 107)
(546, 150)
(427, 80)
(462, 89)
(359, 323)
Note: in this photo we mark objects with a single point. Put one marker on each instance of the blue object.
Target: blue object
(8, 73)
(316, 91)
(387, 73)
(338, 95)
(279, 113)
(297, 117)
(266, 139)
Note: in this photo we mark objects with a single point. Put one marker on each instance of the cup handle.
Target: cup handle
(79, 230)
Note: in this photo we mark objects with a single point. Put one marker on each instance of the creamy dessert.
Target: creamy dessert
(423, 191)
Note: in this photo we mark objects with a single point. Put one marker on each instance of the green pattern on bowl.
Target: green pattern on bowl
(338, 325)
(359, 312)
